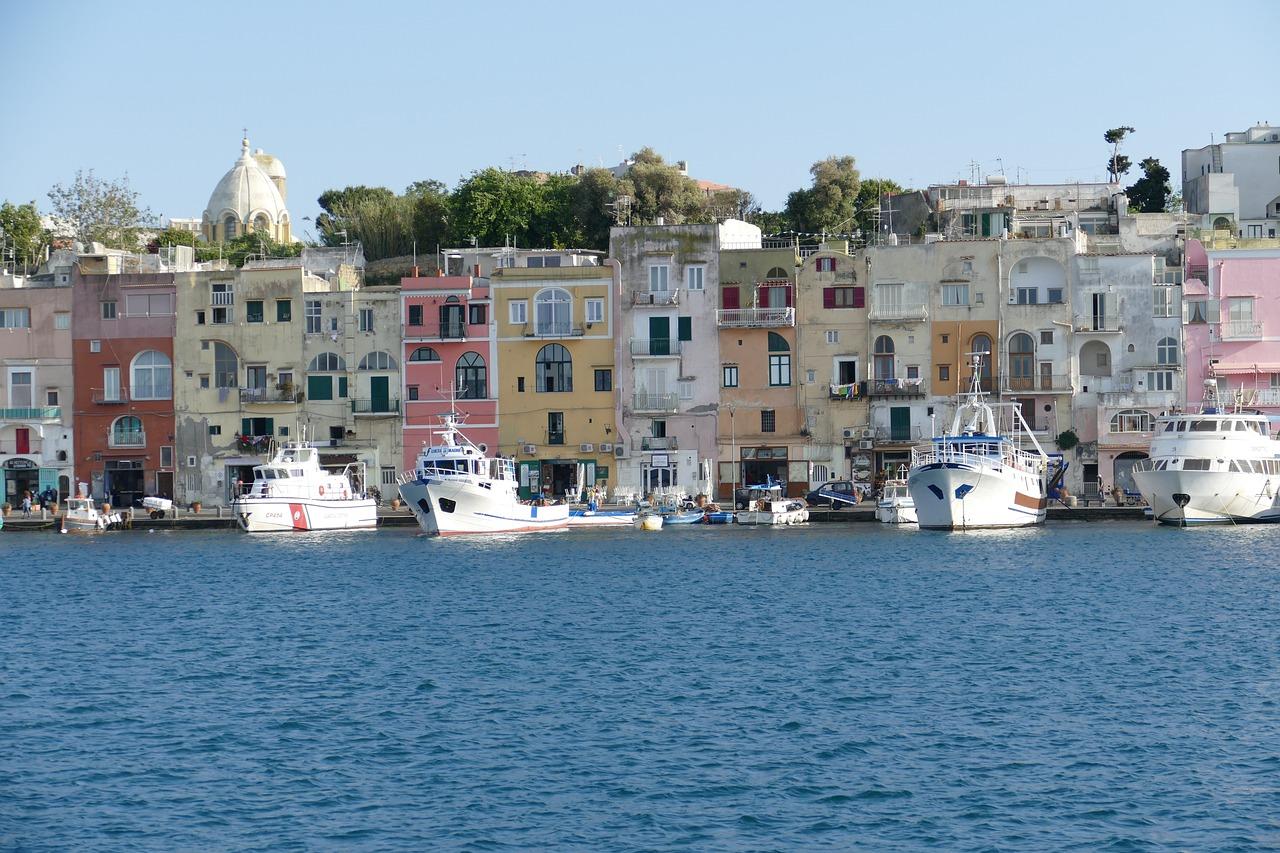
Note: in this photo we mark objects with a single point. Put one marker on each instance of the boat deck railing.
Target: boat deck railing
(1007, 455)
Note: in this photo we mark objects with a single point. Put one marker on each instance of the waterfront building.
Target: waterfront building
(450, 359)
(122, 345)
(36, 383)
(831, 334)
(765, 436)
(1233, 186)
(555, 378)
(250, 197)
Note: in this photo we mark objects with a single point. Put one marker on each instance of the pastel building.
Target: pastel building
(555, 383)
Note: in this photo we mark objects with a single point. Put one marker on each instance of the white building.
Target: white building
(1234, 185)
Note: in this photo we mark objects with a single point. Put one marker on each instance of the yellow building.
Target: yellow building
(555, 374)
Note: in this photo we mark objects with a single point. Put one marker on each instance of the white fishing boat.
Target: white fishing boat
(895, 505)
(83, 516)
(978, 475)
(293, 492)
(1217, 466)
(455, 488)
(766, 505)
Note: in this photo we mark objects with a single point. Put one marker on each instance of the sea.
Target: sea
(1082, 686)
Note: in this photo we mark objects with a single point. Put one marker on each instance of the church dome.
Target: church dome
(270, 164)
(248, 193)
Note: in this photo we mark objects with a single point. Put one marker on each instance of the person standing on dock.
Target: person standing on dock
(26, 504)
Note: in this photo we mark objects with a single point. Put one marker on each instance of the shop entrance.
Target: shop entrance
(123, 482)
(761, 465)
(20, 475)
(560, 476)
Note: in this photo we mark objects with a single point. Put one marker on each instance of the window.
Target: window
(253, 312)
(51, 396)
(913, 371)
(685, 389)
(204, 380)
(478, 315)
(1162, 299)
(944, 373)
(366, 319)
(1021, 362)
(553, 312)
(1131, 420)
(415, 315)
(553, 369)
(127, 432)
(257, 426)
(1197, 310)
(111, 385)
(768, 422)
(109, 310)
(424, 354)
(284, 310)
(148, 305)
(779, 360)
(221, 293)
(62, 320)
(555, 427)
(883, 357)
(729, 375)
(377, 361)
(955, 294)
(199, 318)
(151, 376)
(833, 336)
(595, 310)
(215, 429)
(20, 383)
(1055, 296)
(520, 384)
(604, 379)
(471, 377)
(1160, 380)
(311, 311)
(695, 277)
(684, 328)
(1167, 351)
(825, 265)
(1028, 295)
(659, 275)
(843, 297)
(225, 365)
(889, 298)
(518, 312)
(229, 228)
(327, 361)
(730, 298)
(284, 379)
(413, 391)
(95, 346)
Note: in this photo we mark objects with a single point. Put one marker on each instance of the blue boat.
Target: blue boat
(721, 517)
(694, 516)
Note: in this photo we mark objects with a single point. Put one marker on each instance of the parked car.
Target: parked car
(836, 493)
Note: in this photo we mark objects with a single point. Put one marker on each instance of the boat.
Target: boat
(977, 474)
(82, 516)
(587, 517)
(692, 516)
(456, 489)
(649, 521)
(895, 505)
(766, 505)
(292, 492)
(1217, 466)
(718, 516)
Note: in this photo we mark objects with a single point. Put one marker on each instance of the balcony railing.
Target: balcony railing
(847, 391)
(34, 447)
(1240, 329)
(915, 311)
(1263, 397)
(109, 397)
(755, 318)
(39, 413)
(1041, 382)
(1098, 323)
(655, 346)
(901, 435)
(895, 387)
(390, 406)
(267, 395)
(126, 438)
(655, 297)
(665, 443)
(656, 402)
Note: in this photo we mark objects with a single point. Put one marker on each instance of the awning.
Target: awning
(1257, 367)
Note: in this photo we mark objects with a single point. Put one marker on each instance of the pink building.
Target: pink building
(450, 353)
(1231, 317)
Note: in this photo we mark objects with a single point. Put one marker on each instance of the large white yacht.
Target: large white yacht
(977, 474)
(292, 492)
(1217, 466)
(454, 488)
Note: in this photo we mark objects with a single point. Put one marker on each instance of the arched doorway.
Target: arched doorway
(1122, 470)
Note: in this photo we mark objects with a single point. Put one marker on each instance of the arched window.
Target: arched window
(776, 273)
(126, 431)
(471, 377)
(229, 228)
(377, 361)
(883, 357)
(554, 369)
(151, 376)
(982, 344)
(553, 312)
(1131, 420)
(260, 223)
(1095, 359)
(424, 354)
(1022, 362)
(777, 343)
(779, 360)
(226, 366)
(1167, 351)
(330, 361)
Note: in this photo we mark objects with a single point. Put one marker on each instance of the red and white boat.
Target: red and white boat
(292, 492)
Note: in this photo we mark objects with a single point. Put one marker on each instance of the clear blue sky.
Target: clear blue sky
(386, 93)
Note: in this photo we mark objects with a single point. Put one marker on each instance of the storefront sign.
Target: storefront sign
(20, 463)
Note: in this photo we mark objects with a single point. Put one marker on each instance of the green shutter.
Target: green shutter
(342, 387)
(271, 427)
(246, 426)
(319, 387)
(684, 328)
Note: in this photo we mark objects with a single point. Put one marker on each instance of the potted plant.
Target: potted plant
(395, 503)
(6, 507)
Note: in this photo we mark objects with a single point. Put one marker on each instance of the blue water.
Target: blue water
(1105, 686)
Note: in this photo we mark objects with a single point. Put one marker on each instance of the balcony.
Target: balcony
(126, 438)
(110, 396)
(376, 408)
(32, 447)
(895, 388)
(553, 330)
(664, 443)
(848, 391)
(1263, 397)
(755, 318)
(268, 395)
(655, 297)
(911, 434)
(656, 402)
(1098, 323)
(1044, 383)
(1236, 330)
(655, 347)
(39, 413)
(899, 312)
(452, 331)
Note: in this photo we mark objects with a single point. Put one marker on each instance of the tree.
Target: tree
(98, 210)
(172, 237)
(1151, 192)
(830, 203)
(1118, 164)
(867, 202)
(592, 201)
(660, 190)
(24, 236)
(494, 206)
(432, 213)
(239, 249)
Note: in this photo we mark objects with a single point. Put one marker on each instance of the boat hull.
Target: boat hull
(601, 518)
(958, 496)
(896, 512)
(279, 515)
(765, 517)
(1185, 498)
(451, 509)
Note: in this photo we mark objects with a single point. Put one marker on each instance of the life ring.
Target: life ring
(322, 491)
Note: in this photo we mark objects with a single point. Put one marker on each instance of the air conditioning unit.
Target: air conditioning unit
(191, 462)
(619, 451)
(850, 433)
(868, 433)
(530, 448)
(606, 447)
(866, 445)
(587, 447)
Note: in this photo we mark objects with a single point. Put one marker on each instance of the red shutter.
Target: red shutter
(859, 297)
(729, 297)
(828, 297)
(788, 289)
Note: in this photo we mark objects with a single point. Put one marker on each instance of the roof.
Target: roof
(246, 190)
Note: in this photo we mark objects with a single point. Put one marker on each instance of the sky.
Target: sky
(750, 94)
